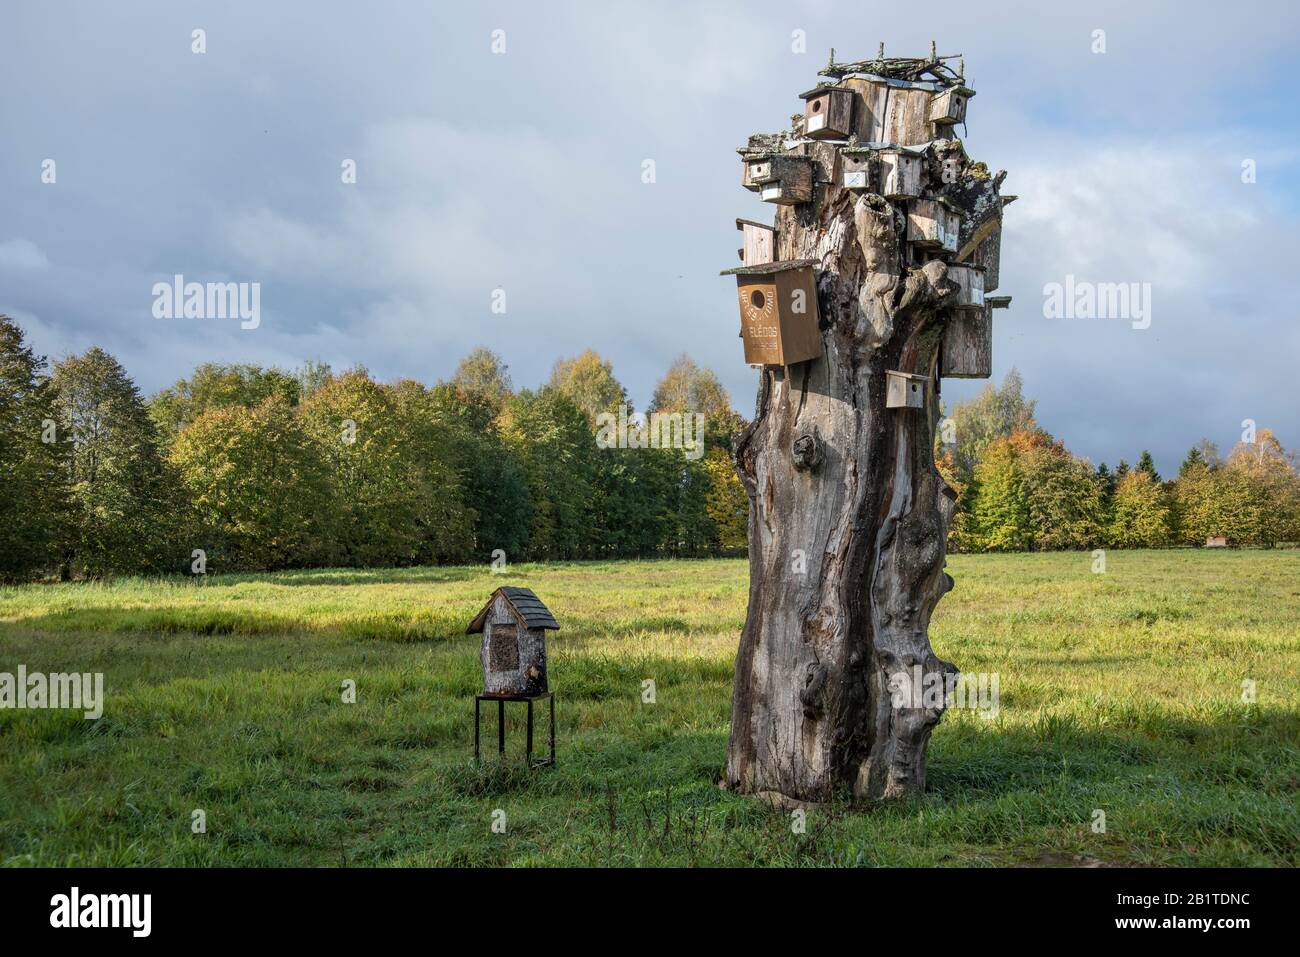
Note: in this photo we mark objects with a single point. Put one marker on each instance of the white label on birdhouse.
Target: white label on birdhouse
(948, 232)
(855, 179)
(771, 192)
(977, 288)
(815, 122)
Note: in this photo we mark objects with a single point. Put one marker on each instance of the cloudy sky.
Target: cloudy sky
(522, 171)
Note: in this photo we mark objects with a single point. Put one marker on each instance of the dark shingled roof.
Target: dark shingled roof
(767, 269)
(526, 605)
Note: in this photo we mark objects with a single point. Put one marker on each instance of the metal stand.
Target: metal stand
(501, 700)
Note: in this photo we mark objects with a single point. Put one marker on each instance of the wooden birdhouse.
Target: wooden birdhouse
(514, 623)
(967, 349)
(905, 390)
(948, 107)
(907, 113)
(783, 178)
(827, 113)
(857, 164)
(900, 174)
(759, 243)
(970, 286)
(933, 223)
(778, 312)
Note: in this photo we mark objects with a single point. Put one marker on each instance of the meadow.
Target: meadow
(1120, 692)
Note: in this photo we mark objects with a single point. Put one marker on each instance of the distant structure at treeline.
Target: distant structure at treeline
(243, 468)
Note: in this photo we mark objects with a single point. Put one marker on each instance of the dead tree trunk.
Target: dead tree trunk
(848, 516)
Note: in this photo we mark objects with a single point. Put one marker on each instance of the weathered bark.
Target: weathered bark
(848, 516)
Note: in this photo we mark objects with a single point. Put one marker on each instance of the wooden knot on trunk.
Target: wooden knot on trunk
(814, 683)
(806, 452)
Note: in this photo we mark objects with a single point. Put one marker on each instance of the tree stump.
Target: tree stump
(848, 515)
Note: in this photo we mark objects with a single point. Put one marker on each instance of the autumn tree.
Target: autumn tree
(589, 382)
(259, 486)
(996, 412)
(1139, 512)
(215, 386)
(484, 375)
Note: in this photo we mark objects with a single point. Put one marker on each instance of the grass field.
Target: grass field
(1119, 691)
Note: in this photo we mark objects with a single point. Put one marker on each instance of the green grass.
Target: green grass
(1120, 692)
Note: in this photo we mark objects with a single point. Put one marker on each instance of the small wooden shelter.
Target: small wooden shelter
(905, 390)
(514, 623)
(827, 113)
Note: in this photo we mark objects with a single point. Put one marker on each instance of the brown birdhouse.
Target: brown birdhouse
(827, 113)
(514, 623)
(900, 174)
(904, 390)
(933, 223)
(948, 107)
(778, 312)
(759, 243)
(783, 178)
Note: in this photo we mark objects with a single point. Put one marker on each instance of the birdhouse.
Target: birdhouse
(904, 390)
(514, 623)
(933, 223)
(827, 113)
(871, 93)
(782, 178)
(948, 107)
(970, 286)
(907, 113)
(778, 312)
(967, 350)
(900, 174)
(856, 162)
(759, 244)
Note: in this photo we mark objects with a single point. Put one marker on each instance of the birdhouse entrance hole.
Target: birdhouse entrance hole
(758, 299)
(503, 648)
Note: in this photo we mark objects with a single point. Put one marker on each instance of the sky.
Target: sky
(522, 171)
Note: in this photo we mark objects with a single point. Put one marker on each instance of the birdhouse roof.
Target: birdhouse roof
(910, 376)
(767, 269)
(527, 607)
(749, 222)
(824, 88)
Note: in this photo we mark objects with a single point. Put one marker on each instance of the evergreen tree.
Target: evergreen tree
(125, 499)
(35, 516)
(1147, 464)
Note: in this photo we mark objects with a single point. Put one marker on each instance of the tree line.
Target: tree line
(1018, 488)
(240, 467)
